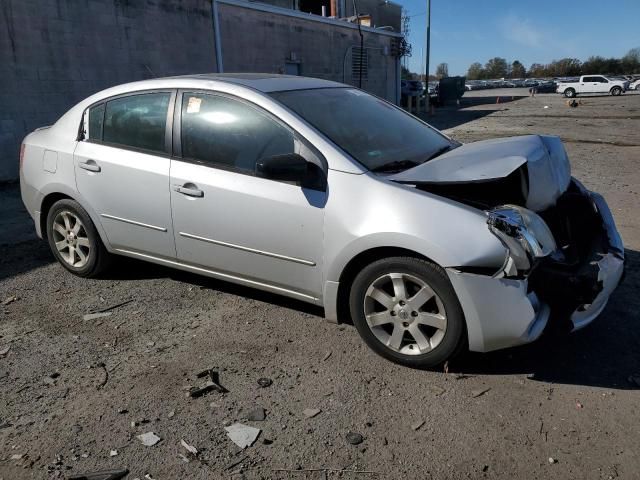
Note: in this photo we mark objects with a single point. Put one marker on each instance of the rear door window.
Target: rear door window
(137, 121)
(96, 120)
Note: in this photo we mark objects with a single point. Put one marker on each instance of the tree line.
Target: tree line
(498, 67)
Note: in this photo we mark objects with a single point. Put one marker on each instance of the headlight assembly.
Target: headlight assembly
(524, 233)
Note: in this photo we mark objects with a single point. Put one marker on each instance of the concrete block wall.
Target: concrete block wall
(321, 50)
(54, 53)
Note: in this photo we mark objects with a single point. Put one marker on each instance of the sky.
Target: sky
(467, 31)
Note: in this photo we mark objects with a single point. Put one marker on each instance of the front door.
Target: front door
(122, 170)
(226, 219)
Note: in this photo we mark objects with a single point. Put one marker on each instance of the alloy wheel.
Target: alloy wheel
(71, 240)
(405, 314)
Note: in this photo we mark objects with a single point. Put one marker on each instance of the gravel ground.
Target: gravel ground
(74, 390)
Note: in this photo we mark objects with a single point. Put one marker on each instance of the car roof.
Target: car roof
(264, 82)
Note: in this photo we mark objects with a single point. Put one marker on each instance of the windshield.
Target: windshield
(372, 131)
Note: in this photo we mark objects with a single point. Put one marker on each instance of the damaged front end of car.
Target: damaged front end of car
(564, 255)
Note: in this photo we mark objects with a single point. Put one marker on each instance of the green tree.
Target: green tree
(442, 70)
(518, 70)
(537, 70)
(630, 63)
(475, 72)
(496, 68)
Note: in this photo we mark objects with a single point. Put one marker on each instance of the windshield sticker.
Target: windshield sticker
(193, 106)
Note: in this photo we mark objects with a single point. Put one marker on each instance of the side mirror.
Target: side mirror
(289, 167)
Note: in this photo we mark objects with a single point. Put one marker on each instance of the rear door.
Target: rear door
(589, 85)
(227, 219)
(602, 85)
(122, 170)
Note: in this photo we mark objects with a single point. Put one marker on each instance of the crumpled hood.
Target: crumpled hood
(547, 166)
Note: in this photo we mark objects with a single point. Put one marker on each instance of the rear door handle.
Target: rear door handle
(191, 190)
(90, 165)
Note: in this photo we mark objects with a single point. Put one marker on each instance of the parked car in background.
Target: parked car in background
(635, 85)
(546, 87)
(591, 84)
(411, 88)
(321, 192)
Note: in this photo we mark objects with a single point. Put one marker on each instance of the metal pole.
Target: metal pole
(428, 46)
(216, 33)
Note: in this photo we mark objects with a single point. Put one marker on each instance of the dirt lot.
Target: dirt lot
(74, 390)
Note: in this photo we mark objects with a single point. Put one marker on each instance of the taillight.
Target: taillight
(21, 155)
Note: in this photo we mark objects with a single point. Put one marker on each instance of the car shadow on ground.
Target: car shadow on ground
(603, 354)
(451, 116)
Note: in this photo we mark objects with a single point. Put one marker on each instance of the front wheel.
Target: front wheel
(406, 310)
(74, 240)
(615, 91)
(569, 93)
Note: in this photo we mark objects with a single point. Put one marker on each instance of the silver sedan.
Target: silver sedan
(327, 194)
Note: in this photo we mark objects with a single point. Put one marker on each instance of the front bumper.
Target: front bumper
(503, 312)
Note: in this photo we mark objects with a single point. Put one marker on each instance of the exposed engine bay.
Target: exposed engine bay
(560, 237)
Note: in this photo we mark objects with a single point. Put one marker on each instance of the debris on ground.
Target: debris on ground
(110, 307)
(17, 456)
(417, 424)
(9, 300)
(265, 382)
(213, 383)
(326, 356)
(436, 389)
(479, 392)
(105, 375)
(189, 448)
(149, 439)
(552, 460)
(5, 350)
(242, 435)
(354, 438)
(579, 405)
(113, 453)
(92, 316)
(311, 412)
(258, 414)
(116, 474)
(51, 379)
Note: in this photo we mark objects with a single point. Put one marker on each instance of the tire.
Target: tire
(569, 93)
(411, 333)
(615, 91)
(74, 240)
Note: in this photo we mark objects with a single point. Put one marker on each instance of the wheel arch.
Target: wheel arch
(356, 264)
(54, 195)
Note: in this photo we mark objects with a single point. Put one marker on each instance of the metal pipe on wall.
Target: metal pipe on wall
(216, 35)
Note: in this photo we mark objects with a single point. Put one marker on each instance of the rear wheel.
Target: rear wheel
(569, 93)
(74, 241)
(406, 310)
(615, 91)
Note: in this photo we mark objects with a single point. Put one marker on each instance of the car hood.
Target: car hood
(542, 158)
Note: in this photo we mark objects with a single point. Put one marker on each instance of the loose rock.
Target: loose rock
(242, 435)
(311, 412)
(417, 424)
(479, 392)
(354, 438)
(149, 439)
(265, 382)
(190, 448)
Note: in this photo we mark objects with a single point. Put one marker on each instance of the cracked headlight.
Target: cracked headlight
(524, 233)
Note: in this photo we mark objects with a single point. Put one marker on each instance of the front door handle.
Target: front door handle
(90, 165)
(189, 189)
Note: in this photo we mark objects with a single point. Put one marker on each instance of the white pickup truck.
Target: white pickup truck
(591, 84)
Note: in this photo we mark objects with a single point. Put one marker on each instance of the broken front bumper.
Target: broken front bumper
(504, 312)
